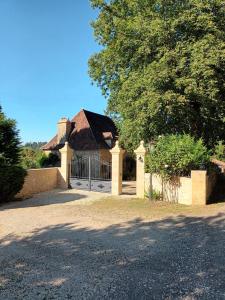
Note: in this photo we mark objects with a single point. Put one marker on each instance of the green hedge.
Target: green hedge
(177, 155)
(11, 181)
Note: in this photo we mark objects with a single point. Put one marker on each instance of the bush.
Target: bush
(177, 155)
(154, 195)
(51, 160)
(219, 151)
(11, 181)
(29, 158)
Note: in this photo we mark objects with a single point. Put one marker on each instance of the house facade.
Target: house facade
(88, 134)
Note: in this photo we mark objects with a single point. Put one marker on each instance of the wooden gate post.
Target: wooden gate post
(117, 169)
(66, 156)
(140, 170)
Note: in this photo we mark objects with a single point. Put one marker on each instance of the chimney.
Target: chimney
(64, 127)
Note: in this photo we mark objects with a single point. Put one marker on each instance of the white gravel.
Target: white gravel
(57, 246)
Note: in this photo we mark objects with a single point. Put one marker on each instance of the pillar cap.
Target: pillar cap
(141, 149)
(66, 148)
(116, 148)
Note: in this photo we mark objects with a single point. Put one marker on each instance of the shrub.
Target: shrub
(29, 158)
(154, 195)
(177, 155)
(50, 160)
(11, 181)
(36, 158)
(219, 151)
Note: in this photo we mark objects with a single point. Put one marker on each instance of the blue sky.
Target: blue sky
(45, 46)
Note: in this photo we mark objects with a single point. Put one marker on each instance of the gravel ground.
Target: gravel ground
(67, 245)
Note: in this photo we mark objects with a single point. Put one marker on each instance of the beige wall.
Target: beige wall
(117, 169)
(199, 187)
(179, 190)
(39, 180)
(194, 190)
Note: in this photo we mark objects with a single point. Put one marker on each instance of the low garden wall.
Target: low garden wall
(39, 180)
(194, 190)
(178, 190)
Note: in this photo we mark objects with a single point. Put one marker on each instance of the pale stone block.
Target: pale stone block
(177, 190)
(117, 169)
(140, 170)
(66, 156)
(199, 187)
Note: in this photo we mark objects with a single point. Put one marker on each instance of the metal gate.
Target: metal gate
(90, 173)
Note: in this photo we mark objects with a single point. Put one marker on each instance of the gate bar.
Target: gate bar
(89, 171)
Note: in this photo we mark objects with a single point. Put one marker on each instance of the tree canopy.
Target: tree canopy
(162, 67)
(34, 145)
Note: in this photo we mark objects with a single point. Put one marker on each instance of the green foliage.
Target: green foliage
(162, 67)
(35, 158)
(177, 155)
(11, 175)
(11, 181)
(219, 151)
(43, 161)
(50, 160)
(34, 145)
(154, 195)
(30, 158)
(9, 141)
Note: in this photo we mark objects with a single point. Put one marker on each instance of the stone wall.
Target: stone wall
(177, 190)
(39, 180)
(194, 190)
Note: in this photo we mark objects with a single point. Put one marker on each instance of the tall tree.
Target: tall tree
(162, 67)
(9, 141)
(11, 174)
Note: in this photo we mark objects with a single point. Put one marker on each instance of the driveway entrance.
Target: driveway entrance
(68, 244)
(90, 173)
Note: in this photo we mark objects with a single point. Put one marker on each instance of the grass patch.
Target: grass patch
(134, 207)
(138, 207)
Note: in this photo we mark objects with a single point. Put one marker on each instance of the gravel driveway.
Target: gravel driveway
(75, 245)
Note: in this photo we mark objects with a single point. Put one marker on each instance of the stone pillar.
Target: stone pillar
(140, 170)
(199, 187)
(117, 169)
(66, 155)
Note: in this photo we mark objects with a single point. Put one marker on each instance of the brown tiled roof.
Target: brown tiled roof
(51, 144)
(89, 131)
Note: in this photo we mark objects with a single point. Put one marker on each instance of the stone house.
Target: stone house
(88, 134)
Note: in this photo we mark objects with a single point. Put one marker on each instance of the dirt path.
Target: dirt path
(77, 245)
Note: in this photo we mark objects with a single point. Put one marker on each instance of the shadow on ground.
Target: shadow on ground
(47, 198)
(175, 258)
